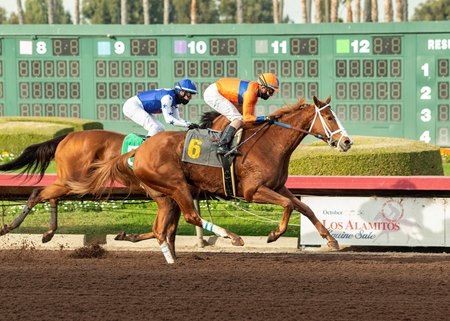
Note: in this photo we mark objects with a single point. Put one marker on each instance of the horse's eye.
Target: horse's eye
(330, 118)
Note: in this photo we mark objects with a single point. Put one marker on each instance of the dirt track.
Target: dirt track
(40, 285)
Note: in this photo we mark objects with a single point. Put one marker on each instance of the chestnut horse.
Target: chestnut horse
(261, 169)
(73, 153)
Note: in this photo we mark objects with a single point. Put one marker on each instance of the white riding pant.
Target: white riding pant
(218, 102)
(134, 110)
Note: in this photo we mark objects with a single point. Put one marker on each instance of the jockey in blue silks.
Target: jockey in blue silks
(142, 108)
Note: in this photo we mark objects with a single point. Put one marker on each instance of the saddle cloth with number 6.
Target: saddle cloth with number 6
(200, 147)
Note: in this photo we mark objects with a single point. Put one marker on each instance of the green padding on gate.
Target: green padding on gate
(131, 141)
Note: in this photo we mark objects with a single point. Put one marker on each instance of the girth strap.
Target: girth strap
(228, 176)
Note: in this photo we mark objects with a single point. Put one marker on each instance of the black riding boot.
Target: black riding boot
(224, 142)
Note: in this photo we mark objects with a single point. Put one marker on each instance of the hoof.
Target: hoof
(125, 237)
(121, 236)
(47, 237)
(272, 237)
(237, 241)
(4, 230)
(333, 246)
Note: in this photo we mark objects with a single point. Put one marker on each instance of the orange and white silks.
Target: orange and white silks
(240, 93)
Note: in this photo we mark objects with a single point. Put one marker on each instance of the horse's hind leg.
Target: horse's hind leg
(172, 227)
(122, 236)
(308, 212)
(32, 201)
(165, 207)
(166, 224)
(186, 203)
(163, 227)
(52, 193)
(47, 236)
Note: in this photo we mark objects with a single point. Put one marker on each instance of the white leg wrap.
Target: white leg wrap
(166, 251)
(214, 228)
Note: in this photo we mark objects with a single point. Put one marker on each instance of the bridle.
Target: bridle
(329, 134)
(327, 129)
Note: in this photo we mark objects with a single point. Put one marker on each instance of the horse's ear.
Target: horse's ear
(328, 100)
(316, 101)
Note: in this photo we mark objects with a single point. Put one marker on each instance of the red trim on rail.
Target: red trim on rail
(404, 183)
(424, 183)
(14, 180)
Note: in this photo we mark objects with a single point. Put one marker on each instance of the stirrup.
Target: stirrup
(222, 150)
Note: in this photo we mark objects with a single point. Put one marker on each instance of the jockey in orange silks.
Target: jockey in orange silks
(227, 93)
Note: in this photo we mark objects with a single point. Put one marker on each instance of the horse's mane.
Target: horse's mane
(288, 108)
(207, 119)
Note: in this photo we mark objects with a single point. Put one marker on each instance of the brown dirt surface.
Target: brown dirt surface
(91, 251)
(58, 285)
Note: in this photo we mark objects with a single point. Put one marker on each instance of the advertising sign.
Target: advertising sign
(364, 221)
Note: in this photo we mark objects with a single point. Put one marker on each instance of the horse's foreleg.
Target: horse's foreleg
(308, 212)
(32, 201)
(267, 196)
(220, 231)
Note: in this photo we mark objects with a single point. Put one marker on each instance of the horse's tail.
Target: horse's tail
(207, 119)
(35, 158)
(103, 172)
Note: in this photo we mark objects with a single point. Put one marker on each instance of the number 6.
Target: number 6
(194, 148)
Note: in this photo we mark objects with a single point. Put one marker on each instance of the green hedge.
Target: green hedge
(17, 133)
(369, 156)
(76, 123)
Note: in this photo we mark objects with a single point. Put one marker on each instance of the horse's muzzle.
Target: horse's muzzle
(344, 144)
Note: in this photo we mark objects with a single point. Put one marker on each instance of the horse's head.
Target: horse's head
(326, 124)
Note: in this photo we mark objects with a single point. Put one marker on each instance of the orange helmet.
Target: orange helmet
(269, 80)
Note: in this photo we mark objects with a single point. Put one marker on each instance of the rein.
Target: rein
(329, 133)
(298, 129)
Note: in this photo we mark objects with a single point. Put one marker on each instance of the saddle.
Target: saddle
(200, 147)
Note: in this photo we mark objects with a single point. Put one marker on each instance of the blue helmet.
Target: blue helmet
(186, 85)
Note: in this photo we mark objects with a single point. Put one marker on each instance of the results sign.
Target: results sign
(388, 79)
